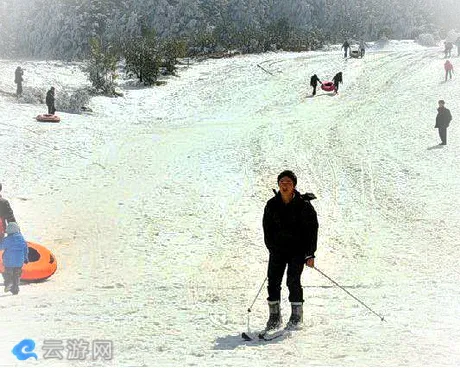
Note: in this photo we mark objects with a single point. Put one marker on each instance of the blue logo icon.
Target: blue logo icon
(24, 350)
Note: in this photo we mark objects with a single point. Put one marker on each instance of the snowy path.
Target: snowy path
(156, 218)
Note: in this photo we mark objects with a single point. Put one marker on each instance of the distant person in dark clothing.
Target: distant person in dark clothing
(6, 214)
(345, 47)
(314, 80)
(50, 101)
(337, 79)
(442, 121)
(448, 49)
(362, 48)
(18, 80)
(449, 68)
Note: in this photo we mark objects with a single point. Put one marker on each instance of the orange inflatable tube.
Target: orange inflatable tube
(42, 263)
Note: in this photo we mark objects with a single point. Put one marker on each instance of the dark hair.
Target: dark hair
(289, 174)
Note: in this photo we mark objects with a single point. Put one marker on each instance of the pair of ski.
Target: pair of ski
(266, 335)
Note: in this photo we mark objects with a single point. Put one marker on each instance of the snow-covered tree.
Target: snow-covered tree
(62, 28)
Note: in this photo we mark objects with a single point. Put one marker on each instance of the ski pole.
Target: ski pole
(260, 289)
(326, 276)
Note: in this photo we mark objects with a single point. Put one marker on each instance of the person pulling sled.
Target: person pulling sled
(337, 80)
(314, 80)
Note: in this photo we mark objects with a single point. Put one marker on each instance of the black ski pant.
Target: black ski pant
(11, 275)
(314, 90)
(276, 266)
(19, 89)
(51, 109)
(443, 135)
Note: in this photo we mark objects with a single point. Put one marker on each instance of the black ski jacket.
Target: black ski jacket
(337, 79)
(443, 118)
(292, 228)
(18, 76)
(50, 98)
(314, 81)
(6, 214)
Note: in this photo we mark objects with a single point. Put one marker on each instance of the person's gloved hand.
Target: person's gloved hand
(310, 262)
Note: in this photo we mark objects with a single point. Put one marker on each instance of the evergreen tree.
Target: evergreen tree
(101, 67)
(142, 56)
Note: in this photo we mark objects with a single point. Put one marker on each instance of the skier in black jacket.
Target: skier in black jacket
(6, 214)
(314, 80)
(290, 228)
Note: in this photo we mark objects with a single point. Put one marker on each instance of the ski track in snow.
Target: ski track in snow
(153, 205)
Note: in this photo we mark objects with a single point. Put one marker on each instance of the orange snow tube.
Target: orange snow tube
(42, 263)
(48, 118)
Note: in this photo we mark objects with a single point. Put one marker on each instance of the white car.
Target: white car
(354, 51)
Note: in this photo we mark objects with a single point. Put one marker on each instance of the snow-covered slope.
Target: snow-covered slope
(153, 204)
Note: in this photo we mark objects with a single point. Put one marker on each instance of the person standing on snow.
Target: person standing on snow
(345, 47)
(449, 68)
(337, 79)
(290, 226)
(314, 80)
(18, 73)
(6, 214)
(442, 121)
(50, 101)
(362, 48)
(15, 255)
(448, 49)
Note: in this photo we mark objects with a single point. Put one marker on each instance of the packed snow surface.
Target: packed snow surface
(152, 205)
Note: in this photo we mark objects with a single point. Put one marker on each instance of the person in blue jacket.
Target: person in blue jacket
(15, 255)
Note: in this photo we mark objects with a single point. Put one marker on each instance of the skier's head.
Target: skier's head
(12, 228)
(441, 103)
(289, 175)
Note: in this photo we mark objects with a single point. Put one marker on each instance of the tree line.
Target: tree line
(61, 29)
(150, 35)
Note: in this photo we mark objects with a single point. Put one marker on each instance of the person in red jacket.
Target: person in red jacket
(6, 214)
(449, 68)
